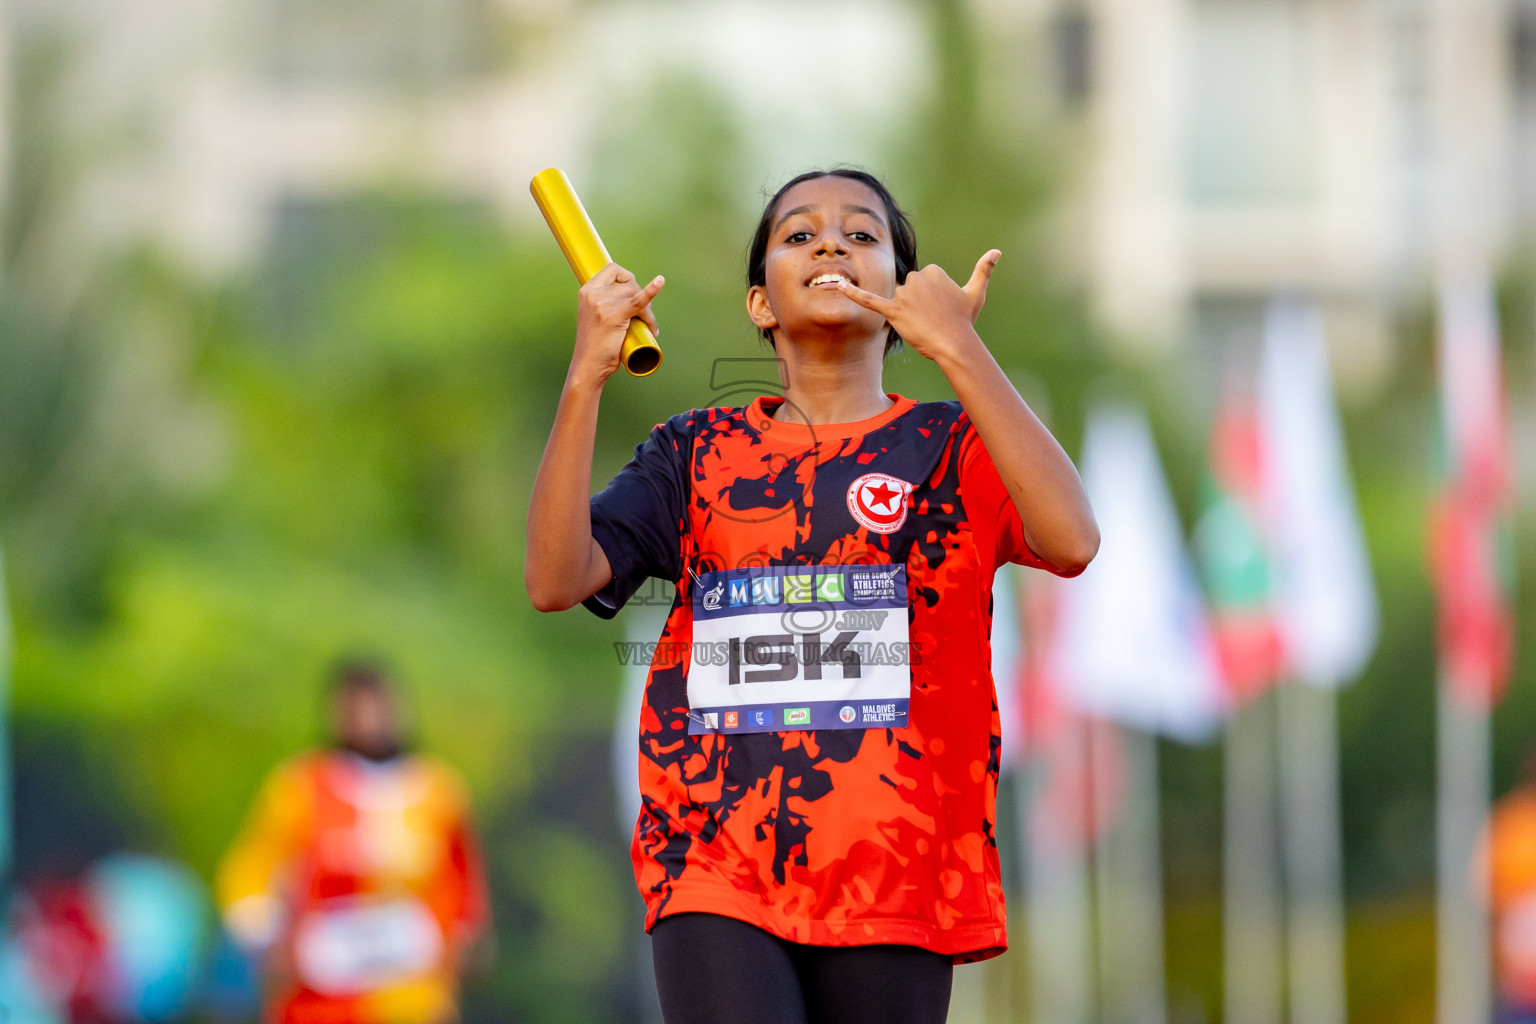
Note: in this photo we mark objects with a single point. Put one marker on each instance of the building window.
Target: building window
(1522, 40)
(1072, 45)
(1250, 104)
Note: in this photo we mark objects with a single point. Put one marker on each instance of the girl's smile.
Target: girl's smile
(830, 279)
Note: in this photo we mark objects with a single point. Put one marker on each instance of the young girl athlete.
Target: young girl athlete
(819, 740)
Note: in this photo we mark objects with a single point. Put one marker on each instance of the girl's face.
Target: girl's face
(823, 228)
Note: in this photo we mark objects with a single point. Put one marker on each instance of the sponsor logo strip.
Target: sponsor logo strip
(823, 714)
(731, 592)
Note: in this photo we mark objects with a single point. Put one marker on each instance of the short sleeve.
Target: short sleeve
(465, 898)
(638, 518)
(249, 883)
(990, 508)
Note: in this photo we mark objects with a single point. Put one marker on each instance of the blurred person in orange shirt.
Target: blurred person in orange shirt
(357, 880)
(1508, 863)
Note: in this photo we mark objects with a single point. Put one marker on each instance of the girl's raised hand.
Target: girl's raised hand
(929, 310)
(604, 307)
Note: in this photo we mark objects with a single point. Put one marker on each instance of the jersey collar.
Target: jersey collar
(798, 432)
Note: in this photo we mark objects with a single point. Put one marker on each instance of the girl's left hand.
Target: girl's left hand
(929, 310)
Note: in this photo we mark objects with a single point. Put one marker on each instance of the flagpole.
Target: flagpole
(1056, 886)
(1250, 907)
(1463, 990)
(1309, 784)
(1129, 879)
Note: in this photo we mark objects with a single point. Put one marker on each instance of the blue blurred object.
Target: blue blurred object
(232, 990)
(154, 913)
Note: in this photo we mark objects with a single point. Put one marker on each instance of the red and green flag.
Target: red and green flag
(1232, 551)
(1469, 549)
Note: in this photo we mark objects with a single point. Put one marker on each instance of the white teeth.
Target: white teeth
(827, 278)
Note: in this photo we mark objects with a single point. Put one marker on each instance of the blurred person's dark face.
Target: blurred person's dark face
(828, 225)
(366, 721)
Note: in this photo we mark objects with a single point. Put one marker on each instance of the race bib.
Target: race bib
(350, 947)
(781, 648)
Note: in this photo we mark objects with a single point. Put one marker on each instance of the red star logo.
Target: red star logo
(882, 495)
(878, 502)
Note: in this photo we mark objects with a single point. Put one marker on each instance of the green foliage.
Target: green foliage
(373, 462)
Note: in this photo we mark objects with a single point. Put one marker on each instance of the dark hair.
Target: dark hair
(360, 672)
(903, 239)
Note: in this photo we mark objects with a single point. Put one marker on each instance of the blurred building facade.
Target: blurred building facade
(1223, 149)
(218, 111)
(206, 118)
(1223, 144)
(1216, 147)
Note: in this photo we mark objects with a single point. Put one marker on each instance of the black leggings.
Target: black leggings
(717, 970)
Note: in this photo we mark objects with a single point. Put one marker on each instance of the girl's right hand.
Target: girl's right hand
(604, 307)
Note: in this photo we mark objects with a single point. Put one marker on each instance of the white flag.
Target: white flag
(644, 623)
(1133, 643)
(1325, 600)
(1007, 662)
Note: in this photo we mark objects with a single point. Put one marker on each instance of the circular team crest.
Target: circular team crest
(847, 714)
(879, 501)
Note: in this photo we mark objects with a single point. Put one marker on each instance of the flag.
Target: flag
(1008, 664)
(1469, 518)
(1133, 643)
(1232, 546)
(1041, 733)
(1325, 602)
(645, 622)
(1324, 594)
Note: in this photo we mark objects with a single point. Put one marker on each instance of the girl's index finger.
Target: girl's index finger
(869, 300)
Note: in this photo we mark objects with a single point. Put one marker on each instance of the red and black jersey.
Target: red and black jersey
(823, 836)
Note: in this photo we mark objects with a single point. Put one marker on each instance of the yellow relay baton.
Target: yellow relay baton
(584, 251)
